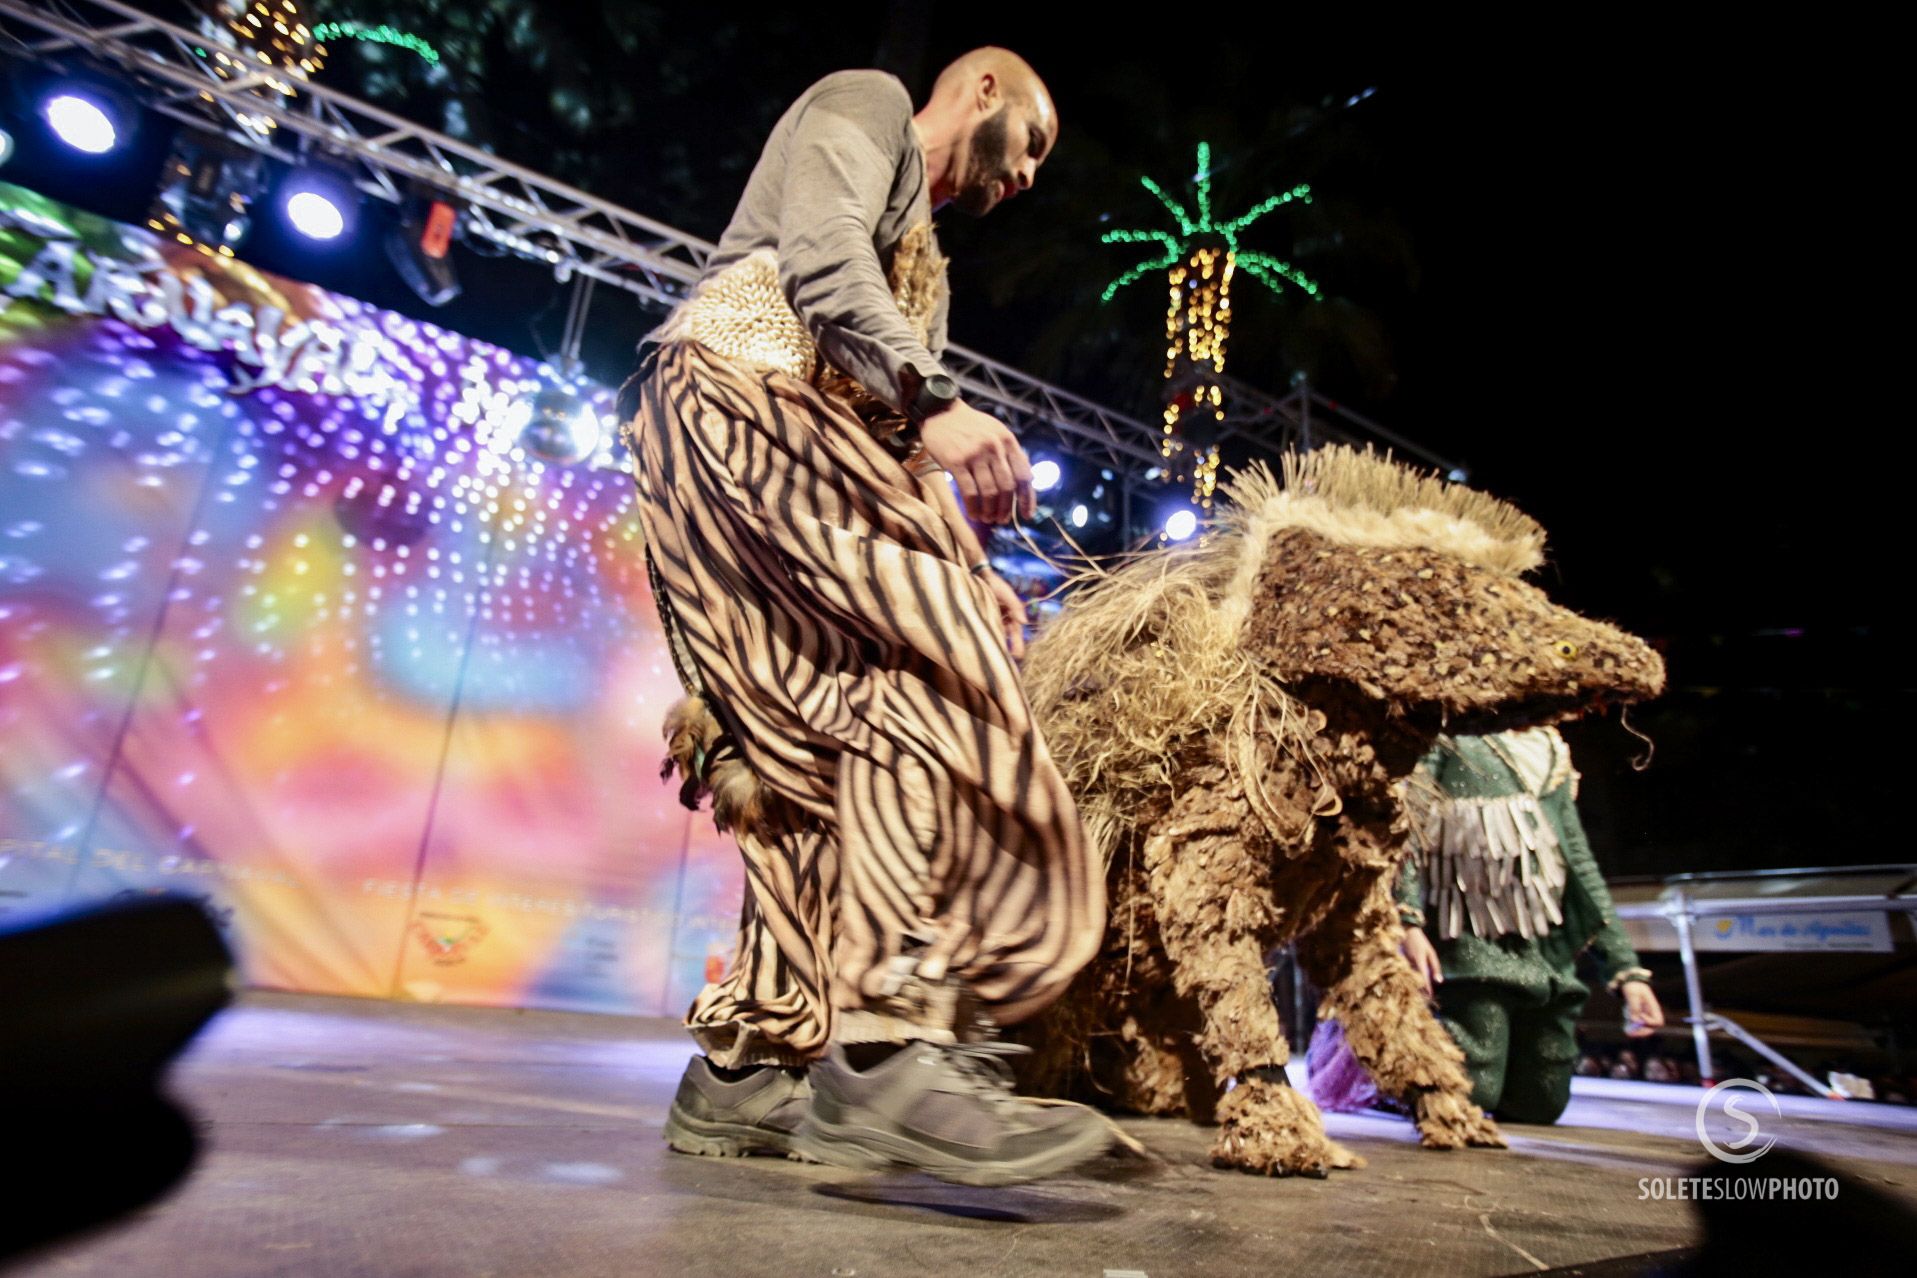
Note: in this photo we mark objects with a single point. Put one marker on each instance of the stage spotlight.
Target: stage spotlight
(1081, 515)
(81, 121)
(1045, 475)
(208, 192)
(6, 145)
(1181, 524)
(563, 429)
(315, 215)
(320, 205)
(420, 248)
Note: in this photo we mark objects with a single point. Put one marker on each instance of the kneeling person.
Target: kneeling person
(1499, 896)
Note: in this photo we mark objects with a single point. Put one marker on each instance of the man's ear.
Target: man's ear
(989, 93)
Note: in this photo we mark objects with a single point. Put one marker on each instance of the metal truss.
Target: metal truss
(178, 73)
(511, 206)
(1303, 419)
(1113, 439)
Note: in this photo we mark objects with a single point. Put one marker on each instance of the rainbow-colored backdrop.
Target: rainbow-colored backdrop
(291, 622)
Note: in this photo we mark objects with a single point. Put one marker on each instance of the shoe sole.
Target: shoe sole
(709, 1138)
(869, 1149)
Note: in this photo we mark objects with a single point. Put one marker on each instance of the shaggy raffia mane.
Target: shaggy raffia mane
(1146, 664)
(1361, 499)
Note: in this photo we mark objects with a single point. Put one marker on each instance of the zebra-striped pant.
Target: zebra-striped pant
(825, 604)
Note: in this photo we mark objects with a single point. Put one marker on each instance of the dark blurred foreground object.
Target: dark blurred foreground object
(92, 1007)
(1863, 1231)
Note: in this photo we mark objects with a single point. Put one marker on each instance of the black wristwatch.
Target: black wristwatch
(934, 394)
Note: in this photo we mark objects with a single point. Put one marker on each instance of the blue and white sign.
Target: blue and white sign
(1860, 932)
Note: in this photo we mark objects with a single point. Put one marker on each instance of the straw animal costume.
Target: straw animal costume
(1233, 717)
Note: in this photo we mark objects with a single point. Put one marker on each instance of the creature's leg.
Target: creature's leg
(1544, 1055)
(1144, 1071)
(1151, 1062)
(1121, 1036)
(1479, 1022)
(1354, 958)
(1211, 893)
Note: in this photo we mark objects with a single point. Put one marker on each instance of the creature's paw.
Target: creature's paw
(1447, 1121)
(1271, 1130)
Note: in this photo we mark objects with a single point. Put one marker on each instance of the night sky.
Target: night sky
(1638, 278)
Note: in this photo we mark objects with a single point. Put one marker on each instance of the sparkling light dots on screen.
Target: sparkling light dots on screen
(321, 521)
(257, 562)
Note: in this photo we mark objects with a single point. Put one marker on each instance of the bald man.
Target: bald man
(916, 874)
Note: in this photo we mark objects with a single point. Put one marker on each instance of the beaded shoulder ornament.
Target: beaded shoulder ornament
(741, 312)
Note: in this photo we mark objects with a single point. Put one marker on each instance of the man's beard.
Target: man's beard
(987, 155)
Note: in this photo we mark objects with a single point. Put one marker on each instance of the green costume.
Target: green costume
(1501, 878)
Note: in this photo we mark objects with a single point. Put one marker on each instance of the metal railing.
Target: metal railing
(1681, 907)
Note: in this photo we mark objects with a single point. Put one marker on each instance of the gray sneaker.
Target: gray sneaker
(758, 1114)
(946, 1111)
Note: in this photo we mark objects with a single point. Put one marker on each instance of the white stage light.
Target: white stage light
(1181, 524)
(315, 216)
(1045, 475)
(81, 123)
(1080, 515)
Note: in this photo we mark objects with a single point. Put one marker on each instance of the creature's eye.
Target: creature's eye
(1566, 649)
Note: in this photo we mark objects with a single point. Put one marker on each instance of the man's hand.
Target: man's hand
(1012, 612)
(1423, 957)
(1643, 1016)
(985, 460)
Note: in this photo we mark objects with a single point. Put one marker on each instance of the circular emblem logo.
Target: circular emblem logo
(1729, 1097)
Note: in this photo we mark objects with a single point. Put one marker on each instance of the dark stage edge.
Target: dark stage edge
(349, 1136)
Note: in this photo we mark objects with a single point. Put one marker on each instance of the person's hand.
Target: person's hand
(1011, 611)
(984, 459)
(1643, 1016)
(1423, 957)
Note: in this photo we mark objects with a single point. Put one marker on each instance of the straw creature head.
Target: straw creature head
(1410, 589)
(1356, 573)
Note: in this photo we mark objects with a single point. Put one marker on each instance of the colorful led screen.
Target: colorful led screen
(338, 622)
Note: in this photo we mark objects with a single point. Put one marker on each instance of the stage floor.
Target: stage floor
(357, 1137)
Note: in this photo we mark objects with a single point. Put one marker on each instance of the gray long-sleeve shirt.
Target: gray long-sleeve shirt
(841, 180)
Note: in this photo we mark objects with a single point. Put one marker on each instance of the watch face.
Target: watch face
(941, 387)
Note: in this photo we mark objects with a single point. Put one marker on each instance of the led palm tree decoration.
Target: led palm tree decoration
(1199, 261)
